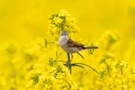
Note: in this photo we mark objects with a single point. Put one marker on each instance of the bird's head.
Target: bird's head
(64, 32)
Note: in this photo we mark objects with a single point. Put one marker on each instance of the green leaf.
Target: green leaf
(80, 55)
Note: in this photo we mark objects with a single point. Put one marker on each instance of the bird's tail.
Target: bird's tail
(91, 47)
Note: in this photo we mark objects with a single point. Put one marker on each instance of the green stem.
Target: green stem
(89, 67)
(68, 63)
(122, 74)
(108, 70)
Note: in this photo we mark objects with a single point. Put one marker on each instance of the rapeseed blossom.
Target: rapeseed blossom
(36, 65)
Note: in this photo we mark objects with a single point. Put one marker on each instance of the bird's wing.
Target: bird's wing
(72, 43)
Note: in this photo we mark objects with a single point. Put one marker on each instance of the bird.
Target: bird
(70, 46)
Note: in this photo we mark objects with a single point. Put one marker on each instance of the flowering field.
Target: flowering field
(32, 59)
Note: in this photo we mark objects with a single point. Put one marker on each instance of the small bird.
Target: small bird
(71, 46)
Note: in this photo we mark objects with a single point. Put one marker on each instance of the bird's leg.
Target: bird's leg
(68, 59)
(68, 63)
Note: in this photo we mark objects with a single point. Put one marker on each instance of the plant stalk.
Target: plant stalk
(68, 63)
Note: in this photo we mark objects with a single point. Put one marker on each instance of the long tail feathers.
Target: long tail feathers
(91, 47)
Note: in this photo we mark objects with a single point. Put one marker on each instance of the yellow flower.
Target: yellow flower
(30, 83)
(63, 13)
(58, 20)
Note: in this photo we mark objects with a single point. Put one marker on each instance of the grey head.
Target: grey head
(64, 32)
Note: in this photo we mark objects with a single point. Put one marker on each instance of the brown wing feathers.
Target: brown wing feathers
(72, 43)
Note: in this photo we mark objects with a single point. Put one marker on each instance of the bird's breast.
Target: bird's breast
(63, 40)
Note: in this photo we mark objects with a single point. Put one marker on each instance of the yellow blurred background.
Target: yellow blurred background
(26, 20)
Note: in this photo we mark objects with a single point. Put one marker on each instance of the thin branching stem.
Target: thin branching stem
(89, 67)
(59, 61)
